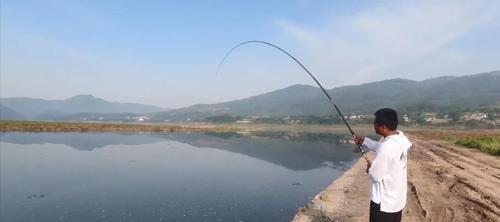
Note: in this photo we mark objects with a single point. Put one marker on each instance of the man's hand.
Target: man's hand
(368, 165)
(359, 140)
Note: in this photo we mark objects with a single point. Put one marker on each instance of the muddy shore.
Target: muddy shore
(445, 183)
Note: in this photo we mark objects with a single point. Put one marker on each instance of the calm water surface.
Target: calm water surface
(165, 177)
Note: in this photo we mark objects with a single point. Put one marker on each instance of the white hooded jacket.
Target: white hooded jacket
(388, 171)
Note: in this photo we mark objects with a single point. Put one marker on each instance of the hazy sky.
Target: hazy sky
(166, 53)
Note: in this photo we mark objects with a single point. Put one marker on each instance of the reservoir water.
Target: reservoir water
(165, 176)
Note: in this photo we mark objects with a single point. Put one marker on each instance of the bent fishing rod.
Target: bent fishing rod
(310, 74)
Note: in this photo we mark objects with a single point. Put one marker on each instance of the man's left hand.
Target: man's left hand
(368, 165)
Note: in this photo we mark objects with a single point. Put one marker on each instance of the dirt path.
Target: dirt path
(445, 183)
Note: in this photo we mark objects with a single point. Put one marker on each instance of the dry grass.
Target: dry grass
(39, 126)
(52, 126)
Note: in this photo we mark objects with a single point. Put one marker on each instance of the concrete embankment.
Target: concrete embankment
(347, 198)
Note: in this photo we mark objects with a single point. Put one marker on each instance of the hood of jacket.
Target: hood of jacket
(402, 140)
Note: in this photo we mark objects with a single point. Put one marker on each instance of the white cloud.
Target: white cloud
(376, 43)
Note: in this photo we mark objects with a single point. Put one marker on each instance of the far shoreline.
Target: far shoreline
(56, 126)
(61, 126)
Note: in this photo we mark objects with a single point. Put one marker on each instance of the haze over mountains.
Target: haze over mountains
(31, 108)
(436, 95)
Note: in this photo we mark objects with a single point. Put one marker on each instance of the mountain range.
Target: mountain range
(431, 95)
(41, 109)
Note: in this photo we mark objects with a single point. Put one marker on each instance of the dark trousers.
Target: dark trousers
(378, 216)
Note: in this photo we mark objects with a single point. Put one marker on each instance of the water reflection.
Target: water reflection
(165, 176)
(295, 151)
(80, 141)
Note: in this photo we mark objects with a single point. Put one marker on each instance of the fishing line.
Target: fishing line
(310, 74)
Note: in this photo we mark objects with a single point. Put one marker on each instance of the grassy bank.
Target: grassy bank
(484, 140)
(489, 144)
(41, 126)
(53, 126)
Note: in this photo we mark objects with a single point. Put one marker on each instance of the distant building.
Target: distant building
(293, 121)
(478, 116)
(429, 119)
(141, 118)
(406, 118)
(433, 118)
(356, 117)
(245, 120)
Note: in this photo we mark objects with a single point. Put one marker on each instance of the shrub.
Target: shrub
(487, 144)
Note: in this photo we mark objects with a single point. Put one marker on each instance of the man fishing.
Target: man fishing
(388, 171)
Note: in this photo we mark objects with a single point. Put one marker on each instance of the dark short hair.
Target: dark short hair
(387, 117)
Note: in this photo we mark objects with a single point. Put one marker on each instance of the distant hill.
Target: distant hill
(30, 108)
(276, 103)
(442, 94)
(9, 114)
(437, 94)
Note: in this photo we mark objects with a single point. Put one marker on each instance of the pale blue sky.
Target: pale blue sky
(165, 52)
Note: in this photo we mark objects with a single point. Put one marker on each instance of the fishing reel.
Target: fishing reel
(359, 149)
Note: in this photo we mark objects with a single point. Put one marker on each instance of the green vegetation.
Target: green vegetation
(226, 118)
(489, 144)
(312, 119)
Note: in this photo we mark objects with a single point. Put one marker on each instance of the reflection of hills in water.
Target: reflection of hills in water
(295, 151)
(80, 141)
